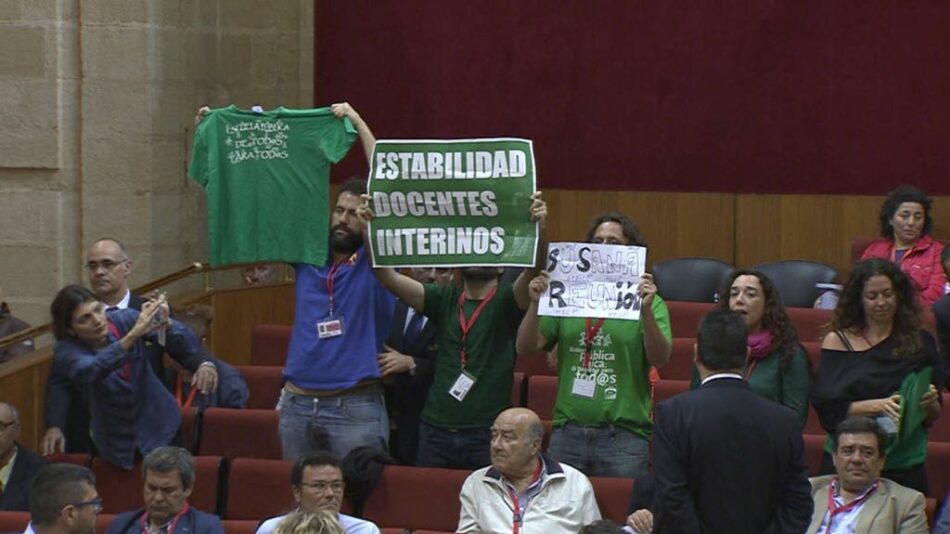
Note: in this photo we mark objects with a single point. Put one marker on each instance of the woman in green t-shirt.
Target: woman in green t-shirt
(777, 367)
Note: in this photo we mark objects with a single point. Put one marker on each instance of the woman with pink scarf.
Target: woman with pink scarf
(777, 367)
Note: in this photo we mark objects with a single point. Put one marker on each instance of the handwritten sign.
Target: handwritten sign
(589, 280)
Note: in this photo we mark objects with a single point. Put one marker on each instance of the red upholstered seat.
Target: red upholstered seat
(680, 366)
(517, 389)
(547, 434)
(665, 389)
(809, 322)
(938, 469)
(534, 363)
(103, 521)
(814, 449)
(813, 350)
(258, 489)
(236, 526)
(269, 344)
(416, 498)
(240, 433)
(613, 497)
(685, 316)
(859, 245)
(121, 490)
(75, 458)
(14, 521)
(940, 430)
(264, 383)
(542, 394)
(930, 508)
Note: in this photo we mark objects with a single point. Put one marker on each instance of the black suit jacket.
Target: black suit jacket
(17, 490)
(942, 315)
(728, 460)
(407, 393)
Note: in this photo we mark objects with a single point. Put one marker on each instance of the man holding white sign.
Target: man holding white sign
(475, 332)
(605, 348)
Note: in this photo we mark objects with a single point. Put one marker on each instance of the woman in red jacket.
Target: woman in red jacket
(905, 226)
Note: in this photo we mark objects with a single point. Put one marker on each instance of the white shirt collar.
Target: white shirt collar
(717, 376)
(122, 304)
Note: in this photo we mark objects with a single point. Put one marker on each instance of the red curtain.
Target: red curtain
(750, 97)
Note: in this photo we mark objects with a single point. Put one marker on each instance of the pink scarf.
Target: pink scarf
(759, 345)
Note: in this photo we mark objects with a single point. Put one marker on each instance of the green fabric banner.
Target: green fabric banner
(452, 203)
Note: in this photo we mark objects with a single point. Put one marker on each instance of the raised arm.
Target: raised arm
(530, 338)
(406, 289)
(344, 109)
(538, 212)
(655, 343)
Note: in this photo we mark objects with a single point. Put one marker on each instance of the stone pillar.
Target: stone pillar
(100, 96)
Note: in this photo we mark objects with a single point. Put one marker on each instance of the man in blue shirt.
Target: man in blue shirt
(333, 398)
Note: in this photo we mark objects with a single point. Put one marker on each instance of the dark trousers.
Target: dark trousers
(463, 448)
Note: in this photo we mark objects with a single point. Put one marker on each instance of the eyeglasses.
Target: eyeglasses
(321, 487)
(4, 425)
(106, 265)
(95, 503)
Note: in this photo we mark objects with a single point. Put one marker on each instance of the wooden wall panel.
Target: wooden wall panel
(813, 227)
(236, 311)
(23, 384)
(673, 224)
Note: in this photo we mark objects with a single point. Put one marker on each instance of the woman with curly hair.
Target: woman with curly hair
(777, 367)
(875, 341)
(905, 227)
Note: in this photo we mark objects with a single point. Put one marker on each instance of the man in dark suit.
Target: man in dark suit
(726, 459)
(408, 365)
(17, 465)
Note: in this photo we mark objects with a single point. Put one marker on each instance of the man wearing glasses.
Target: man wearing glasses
(17, 465)
(63, 500)
(317, 483)
(67, 420)
(169, 479)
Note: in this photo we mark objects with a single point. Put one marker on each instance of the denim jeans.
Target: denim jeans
(465, 448)
(600, 451)
(338, 424)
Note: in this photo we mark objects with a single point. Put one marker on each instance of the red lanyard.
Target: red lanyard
(126, 372)
(466, 324)
(590, 332)
(834, 509)
(517, 519)
(330, 279)
(178, 393)
(171, 524)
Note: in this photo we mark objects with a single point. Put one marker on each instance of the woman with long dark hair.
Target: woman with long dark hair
(874, 349)
(777, 367)
(104, 355)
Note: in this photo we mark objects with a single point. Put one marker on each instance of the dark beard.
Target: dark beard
(479, 274)
(348, 243)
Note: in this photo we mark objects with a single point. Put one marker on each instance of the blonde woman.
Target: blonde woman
(319, 522)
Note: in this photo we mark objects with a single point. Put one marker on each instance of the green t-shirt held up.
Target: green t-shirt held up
(267, 176)
(618, 367)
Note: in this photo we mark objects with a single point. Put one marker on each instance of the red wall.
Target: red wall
(752, 97)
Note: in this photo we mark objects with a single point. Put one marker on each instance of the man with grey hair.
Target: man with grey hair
(169, 479)
(524, 489)
(17, 464)
(63, 500)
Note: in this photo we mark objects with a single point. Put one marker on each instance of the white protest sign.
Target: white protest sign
(589, 280)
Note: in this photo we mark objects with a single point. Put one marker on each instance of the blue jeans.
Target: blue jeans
(338, 424)
(600, 451)
(464, 448)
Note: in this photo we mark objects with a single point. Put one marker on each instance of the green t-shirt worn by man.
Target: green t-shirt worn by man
(618, 367)
(490, 357)
(267, 179)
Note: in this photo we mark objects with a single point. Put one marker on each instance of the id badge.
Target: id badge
(330, 328)
(461, 387)
(584, 387)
